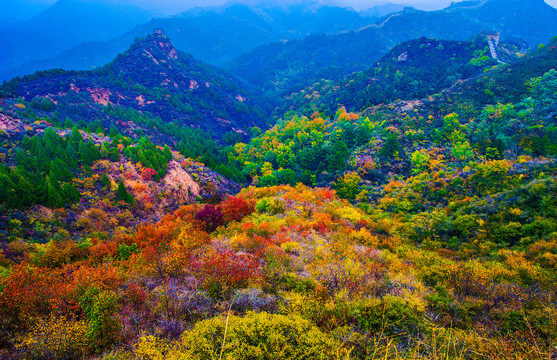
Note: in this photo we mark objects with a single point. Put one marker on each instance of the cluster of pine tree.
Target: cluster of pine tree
(191, 142)
(150, 156)
(44, 168)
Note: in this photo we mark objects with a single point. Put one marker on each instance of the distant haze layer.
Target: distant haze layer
(22, 9)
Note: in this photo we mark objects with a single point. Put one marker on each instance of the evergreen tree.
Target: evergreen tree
(43, 159)
(113, 132)
(76, 135)
(24, 160)
(83, 154)
(50, 136)
(114, 155)
(8, 191)
(54, 192)
(54, 121)
(26, 143)
(123, 194)
(46, 105)
(104, 153)
(339, 156)
(391, 149)
(167, 153)
(72, 154)
(92, 151)
(68, 123)
(70, 193)
(60, 170)
(105, 181)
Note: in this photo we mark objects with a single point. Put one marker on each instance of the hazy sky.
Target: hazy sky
(27, 8)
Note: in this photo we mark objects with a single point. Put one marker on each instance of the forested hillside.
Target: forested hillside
(150, 89)
(161, 208)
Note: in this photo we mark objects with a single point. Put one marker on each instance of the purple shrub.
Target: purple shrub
(212, 216)
(254, 300)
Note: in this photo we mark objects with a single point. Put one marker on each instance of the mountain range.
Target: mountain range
(285, 67)
(308, 36)
(214, 35)
(66, 24)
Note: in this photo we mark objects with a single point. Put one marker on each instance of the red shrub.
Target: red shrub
(147, 173)
(102, 249)
(234, 208)
(221, 272)
(29, 292)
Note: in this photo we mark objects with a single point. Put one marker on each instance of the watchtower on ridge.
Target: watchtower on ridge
(493, 41)
(492, 36)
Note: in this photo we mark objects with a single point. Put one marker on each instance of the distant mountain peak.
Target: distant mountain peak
(160, 40)
(159, 43)
(154, 54)
(152, 78)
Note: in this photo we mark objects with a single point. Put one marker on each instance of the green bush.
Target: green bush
(125, 251)
(99, 307)
(259, 336)
(271, 206)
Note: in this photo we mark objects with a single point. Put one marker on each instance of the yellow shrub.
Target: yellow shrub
(62, 337)
(290, 246)
(364, 237)
(258, 336)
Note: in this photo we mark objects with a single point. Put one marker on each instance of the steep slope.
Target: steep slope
(150, 85)
(285, 67)
(62, 26)
(508, 83)
(96, 178)
(412, 70)
(213, 35)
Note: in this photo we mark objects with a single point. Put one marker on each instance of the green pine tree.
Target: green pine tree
(105, 181)
(76, 135)
(339, 156)
(123, 194)
(55, 198)
(70, 193)
(167, 153)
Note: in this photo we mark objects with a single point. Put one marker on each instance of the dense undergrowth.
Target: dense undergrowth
(293, 272)
(419, 229)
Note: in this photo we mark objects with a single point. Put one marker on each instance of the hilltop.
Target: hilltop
(152, 88)
(411, 70)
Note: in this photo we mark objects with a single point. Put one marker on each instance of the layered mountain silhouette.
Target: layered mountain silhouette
(425, 68)
(213, 35)
(64, 25)
(411, 70)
